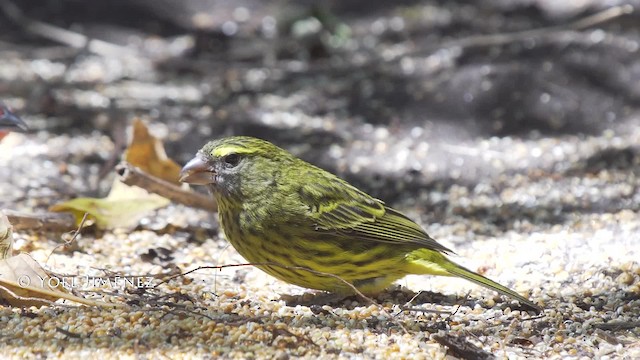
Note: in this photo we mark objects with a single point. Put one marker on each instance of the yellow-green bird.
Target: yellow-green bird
(276, 208)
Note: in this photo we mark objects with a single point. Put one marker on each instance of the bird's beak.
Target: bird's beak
(11, 121)
(197, 172)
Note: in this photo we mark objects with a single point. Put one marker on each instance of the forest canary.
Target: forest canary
(276, 208)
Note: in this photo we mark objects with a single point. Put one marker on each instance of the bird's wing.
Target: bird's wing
(338, 207)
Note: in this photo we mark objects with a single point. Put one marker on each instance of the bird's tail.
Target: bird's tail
(425, 261)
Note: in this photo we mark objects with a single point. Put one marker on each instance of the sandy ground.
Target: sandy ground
(520, 229)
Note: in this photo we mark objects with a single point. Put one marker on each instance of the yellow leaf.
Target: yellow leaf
(147, 153)
(122, 208)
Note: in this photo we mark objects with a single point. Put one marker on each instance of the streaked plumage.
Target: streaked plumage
(277, 208)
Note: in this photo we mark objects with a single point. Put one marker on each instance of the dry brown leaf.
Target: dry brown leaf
(6, 237)
(20, 270)
(25, 278)
(147, 153)
(23, 282)
(122, 208)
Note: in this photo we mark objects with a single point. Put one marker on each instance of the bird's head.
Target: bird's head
(236, 165)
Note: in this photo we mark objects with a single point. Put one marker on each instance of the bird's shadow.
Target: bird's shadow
(405, 298)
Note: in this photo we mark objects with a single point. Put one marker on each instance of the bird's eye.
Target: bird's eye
(231, 159)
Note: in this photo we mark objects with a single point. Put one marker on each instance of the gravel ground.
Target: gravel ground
(567, 237)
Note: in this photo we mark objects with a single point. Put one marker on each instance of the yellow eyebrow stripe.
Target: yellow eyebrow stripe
(231, 149)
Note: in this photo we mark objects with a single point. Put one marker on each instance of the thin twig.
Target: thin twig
(132, 175)
(315, 272)
(71, 241)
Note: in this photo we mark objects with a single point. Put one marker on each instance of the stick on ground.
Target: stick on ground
(133, 176)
